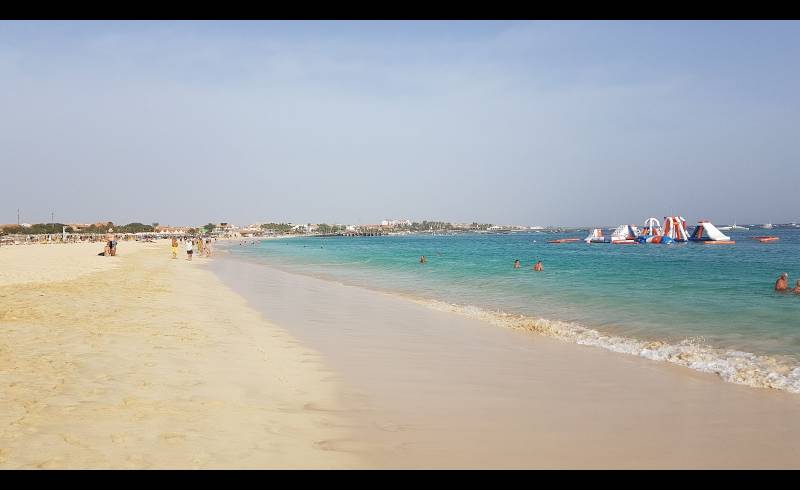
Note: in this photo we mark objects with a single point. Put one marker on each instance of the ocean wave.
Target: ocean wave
(733, 366)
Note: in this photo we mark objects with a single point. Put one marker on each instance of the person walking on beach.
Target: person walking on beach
(517, 264)
(538, 267)
(200, 247)
(782, 284)
(189, 249)
(174, 248)
(208, 247)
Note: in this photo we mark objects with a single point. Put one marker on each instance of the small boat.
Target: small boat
(766, 239)
(733, 227)
(564, 240)
(767, 226)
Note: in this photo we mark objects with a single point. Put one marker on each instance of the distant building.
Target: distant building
(227, 227)
(395, 222)
(172, 230)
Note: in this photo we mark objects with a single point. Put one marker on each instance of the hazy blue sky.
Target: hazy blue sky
(575, 123)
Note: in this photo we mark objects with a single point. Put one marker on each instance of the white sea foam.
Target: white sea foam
(732, 366)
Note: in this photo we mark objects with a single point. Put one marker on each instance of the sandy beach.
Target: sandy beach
(142, 361)
(438, 389)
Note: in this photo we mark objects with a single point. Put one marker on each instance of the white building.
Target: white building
(396, 222)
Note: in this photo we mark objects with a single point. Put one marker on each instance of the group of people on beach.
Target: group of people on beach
(782, 284)
(203, 246)
(537, 267)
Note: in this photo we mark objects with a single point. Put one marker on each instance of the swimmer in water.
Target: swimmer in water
(422, 259)
(796, 289)
(782, 284)
(538, 267)
(517, 264)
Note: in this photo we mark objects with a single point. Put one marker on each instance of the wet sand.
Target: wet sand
(142, 361)
(431, 389)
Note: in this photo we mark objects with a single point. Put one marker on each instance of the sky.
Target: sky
(574, 123)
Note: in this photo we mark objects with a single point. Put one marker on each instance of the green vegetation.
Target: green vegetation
(326, 228)
(55, 228)
(442, 226)
(134, 228)
(37, 229)
(277, 227)
(209, 228)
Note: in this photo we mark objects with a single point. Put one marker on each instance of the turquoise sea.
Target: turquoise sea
(708, 307)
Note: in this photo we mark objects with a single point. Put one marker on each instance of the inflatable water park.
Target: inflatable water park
(674, 230)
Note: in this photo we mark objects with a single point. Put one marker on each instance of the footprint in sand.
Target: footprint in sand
(391, 427)
(119, 438)
(137, 461)
(173, 437)
(50, 463)
(73, 441)
(342, 445)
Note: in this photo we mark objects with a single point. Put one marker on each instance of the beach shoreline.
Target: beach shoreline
(752, 369)
(392, 349)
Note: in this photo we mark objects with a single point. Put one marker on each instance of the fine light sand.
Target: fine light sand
(53, 262)
(141, 361)
(434, 389)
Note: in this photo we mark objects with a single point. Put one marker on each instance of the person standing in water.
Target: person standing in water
(782, 284)
(174, 248)
(422, 259)
(796, 289)
(517, 264)
(538, 267)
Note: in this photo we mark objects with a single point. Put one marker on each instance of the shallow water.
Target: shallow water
(711, 308)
